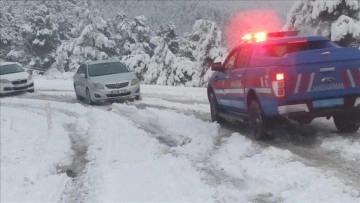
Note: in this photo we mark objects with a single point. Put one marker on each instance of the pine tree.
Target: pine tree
(40, 36)
(202, 46)
(120, 32)
(90, 42)
(339, 20)
(137, 45)
(6, 30)
(170, 36)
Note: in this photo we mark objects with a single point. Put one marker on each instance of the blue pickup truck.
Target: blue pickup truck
(282, 74)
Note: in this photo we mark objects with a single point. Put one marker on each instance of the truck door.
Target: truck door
(234, 88)
(222, 78)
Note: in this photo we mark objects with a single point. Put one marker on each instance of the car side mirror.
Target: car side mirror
(217, 67)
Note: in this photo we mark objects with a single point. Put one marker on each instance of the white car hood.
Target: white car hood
(15, 76)
(113, 78)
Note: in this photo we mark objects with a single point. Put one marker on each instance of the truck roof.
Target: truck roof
(282, 40)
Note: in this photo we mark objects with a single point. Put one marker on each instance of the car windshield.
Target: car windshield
(10, 68)
(107, 69)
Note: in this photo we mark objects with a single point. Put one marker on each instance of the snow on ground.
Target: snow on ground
(336, 143)
(276, 175)
(120, 152)
(30, 153)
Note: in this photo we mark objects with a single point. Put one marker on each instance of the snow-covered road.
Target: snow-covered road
(163, 149)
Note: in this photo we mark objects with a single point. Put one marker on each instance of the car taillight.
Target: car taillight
(278, 85)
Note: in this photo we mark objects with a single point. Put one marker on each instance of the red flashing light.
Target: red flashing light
(256, 37)
(260, 36)
(247, 37)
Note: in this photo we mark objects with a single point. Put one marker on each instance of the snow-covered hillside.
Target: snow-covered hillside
(167, 43)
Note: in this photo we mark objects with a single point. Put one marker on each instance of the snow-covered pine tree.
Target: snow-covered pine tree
(120, 31)
(90, 42)
(170, 36)
(202, 46)
(337, 19)
(65, 16)
(161, 63)
(40, 36)
(8, 33)
(138, 45)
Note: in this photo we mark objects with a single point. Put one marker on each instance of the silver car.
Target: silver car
(13, 78)
(106, 80)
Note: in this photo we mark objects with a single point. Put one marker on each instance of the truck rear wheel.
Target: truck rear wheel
(214, 109)
(256, 120)
(344, 126)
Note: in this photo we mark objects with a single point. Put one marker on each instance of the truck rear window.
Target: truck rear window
(279, 50)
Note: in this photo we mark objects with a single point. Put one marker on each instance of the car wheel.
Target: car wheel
(256, 120)
(214, 109)
(88, 97)
(78, 97)
(344, 126)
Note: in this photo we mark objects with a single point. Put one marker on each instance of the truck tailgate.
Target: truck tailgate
(322, 73)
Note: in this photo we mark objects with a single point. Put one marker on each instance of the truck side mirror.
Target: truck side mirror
(217, 67)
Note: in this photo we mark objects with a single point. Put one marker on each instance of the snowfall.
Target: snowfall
(163, 148)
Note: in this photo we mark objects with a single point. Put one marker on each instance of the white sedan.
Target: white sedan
(106, 80)
(13, 78)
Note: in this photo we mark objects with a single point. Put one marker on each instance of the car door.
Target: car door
(235, 92)
(224, 80)
(80, 80)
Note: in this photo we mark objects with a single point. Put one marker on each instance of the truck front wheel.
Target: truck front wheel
(344, 126)
(214, 109)
(256, 120)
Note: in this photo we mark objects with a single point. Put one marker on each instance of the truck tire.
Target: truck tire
(214, 109)
(344, 126)
(256, 120)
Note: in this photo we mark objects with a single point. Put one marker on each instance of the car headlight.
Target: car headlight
(134, 81)
(4, 81)
(98, 86)
(29, 78)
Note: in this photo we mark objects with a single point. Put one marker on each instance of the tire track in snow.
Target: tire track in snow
(306, 147)
(210, 175)
(305, 142)
(74, 190)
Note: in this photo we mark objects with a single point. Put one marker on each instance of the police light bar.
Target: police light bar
(262, 36)
(256, 37)
(283, 34)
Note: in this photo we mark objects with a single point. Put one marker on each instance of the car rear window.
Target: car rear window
(10, 68)
(107, 69)
(279, 50)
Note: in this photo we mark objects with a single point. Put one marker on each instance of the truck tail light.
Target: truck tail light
(280, 76)
(278, 85)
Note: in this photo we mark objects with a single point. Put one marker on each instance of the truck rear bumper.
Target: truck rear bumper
(286, 109)
(305, 113)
